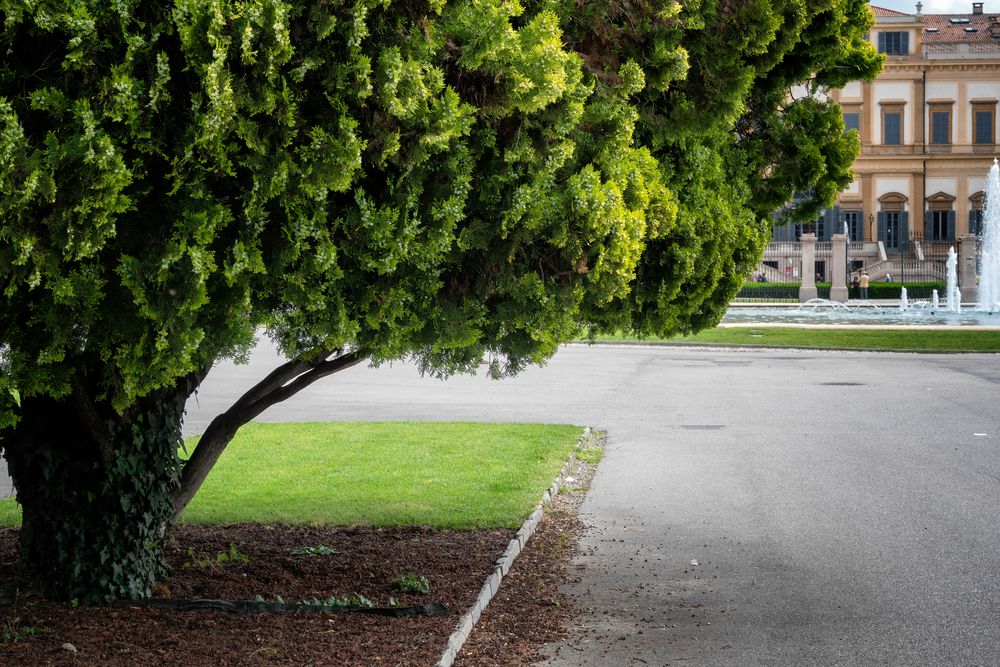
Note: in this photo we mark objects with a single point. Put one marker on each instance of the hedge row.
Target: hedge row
(876, 290)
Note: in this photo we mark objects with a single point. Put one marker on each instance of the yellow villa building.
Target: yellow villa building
(928, 129)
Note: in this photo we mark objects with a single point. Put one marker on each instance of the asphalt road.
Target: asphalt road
(841, 507)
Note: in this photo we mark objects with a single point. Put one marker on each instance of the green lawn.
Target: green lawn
(447, 475)
(852, 339)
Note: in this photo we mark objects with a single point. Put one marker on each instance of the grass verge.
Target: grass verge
(848, 339)
(446, 475)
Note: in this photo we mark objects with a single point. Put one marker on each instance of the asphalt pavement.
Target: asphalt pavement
(841, 506)
(753, 507)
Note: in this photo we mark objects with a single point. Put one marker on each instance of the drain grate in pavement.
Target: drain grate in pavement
(701, 427)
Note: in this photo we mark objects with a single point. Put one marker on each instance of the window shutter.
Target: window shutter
(973, 222)
(881, 42)
(951, 225)
(881, 226)
(829, 221)
(904, 42)
(929, 225)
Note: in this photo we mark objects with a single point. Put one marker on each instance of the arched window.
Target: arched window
(977, 203)
(939, 217)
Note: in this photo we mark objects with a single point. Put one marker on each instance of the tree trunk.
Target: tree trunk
(96, 492)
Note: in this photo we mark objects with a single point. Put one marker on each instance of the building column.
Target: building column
(807, 289)
(868, 115)
(967, 254)
(962, 205)
(918, 206)
(870, 206)
(919, 109)
(963, 133)
(838, 288)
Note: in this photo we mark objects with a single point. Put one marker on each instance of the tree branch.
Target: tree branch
(279, 385)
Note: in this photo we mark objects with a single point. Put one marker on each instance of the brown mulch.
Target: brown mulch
(527, 612)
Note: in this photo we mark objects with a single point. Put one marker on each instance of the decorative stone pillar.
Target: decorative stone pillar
(807, 289)
(967, 256)
(838, 288)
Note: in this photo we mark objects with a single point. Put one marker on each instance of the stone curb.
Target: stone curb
(504, 563)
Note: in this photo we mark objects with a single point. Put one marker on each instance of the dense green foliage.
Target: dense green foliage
(437, 179)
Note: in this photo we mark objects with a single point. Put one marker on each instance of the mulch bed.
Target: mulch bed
(367, 562)
(527, 612)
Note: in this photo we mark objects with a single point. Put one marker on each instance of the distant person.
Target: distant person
(761, 278)
(888, 277)
(863, 284)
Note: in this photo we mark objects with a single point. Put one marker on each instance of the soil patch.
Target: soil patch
(244, 561)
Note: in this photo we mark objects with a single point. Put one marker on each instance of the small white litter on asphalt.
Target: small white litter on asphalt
(979, 435)
(694, 563)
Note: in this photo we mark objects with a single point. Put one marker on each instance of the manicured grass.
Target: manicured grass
(10, 512)
(447, 475)
(850, 338)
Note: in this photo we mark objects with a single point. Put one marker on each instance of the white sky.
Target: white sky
(938, 6)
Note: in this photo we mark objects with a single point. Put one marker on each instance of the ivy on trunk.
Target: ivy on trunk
(95, 509)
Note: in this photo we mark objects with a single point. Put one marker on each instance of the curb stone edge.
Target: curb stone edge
(502, 566)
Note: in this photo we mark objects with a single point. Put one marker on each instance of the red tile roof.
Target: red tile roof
(950, 33)
(882, 11)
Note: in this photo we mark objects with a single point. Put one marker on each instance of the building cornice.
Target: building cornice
(943, 65)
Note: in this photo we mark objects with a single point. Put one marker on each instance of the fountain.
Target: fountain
(953, 300)
(989, 255)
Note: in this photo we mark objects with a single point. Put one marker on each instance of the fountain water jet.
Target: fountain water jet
(989, 255)
(953, 300)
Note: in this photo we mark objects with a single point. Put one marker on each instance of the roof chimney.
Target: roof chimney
(977, 8)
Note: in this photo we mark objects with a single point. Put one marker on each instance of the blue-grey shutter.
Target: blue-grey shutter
(881, 42)
(892, 128)
(783, 233)
(929, 225)
(828, 223)
(904, 230)
(905, 42)
(881, 227)
(973, 227)
(951, 225)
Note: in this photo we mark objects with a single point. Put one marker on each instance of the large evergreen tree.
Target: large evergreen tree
(362, 179)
